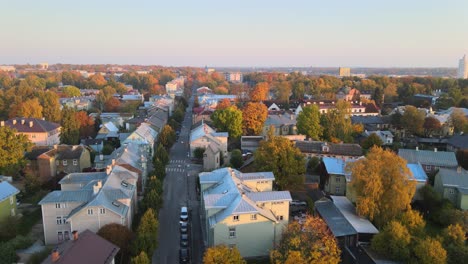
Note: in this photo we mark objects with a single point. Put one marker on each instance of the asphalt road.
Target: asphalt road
(179, 190)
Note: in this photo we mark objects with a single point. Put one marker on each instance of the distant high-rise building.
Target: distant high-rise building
(344, 72)
(463, 68)
(234, 77)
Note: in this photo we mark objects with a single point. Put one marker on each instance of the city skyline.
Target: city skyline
(260, 34)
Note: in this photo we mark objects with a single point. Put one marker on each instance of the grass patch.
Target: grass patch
(28, 220)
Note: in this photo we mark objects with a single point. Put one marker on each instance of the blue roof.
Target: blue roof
(418, 172)
(334, 165)
(7, 190)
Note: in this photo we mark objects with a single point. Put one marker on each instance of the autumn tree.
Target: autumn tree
(431, 125)
(152, 199)
(228, 120)
(50, 106)
(71, 91)
(337, 124)
(253, 118)
(372, 140)
(454, 242)
(119, 235)
(112, 105)
(147, 232)
(12, 148)
(413, 221)
(31, 108)
(308, 122)
(377, 180)
(223, 104)
(222, 254)
(458, 120)
(259, 92)
(309, 242)
(167, 137)
(279, 155)
(161, 154)
(142, 258)
(104, 95)
(430, 251)
(393, 241)
(86, 124)
(413, 120)
(97, 81)
(70, 133)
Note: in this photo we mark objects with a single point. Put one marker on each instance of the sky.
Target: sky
(245, 33)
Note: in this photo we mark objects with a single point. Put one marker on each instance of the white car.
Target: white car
(184, 214)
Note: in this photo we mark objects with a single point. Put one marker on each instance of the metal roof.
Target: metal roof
(23, 125)
(81, 177)
(454, 178)
(418, 172)
(79, 196)
(335, 220)
(269, 196)
(427, 157)
(7, 190)
(360, 224)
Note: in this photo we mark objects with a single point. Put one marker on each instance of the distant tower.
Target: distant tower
(344, 72)
(463, 68)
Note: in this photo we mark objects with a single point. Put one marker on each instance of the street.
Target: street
(179, 190)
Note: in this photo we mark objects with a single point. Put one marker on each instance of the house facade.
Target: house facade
(63, 159)
(203, 135)
(325, 149)
(8, 194)
(38, 131)
(283, 124)
(453, 185)
(241, 210)
(430, 160)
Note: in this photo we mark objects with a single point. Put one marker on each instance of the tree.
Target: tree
(152, 199)
(236, 158)
(223, 104)
(70, 133)
(97, 81)
(279, 155)
(147, 232)
(198, 153)
(142, 258)
(112, 105)
(309, 242)
(259, 92)
(119, 235)
(377, 180)
(458, 120)
(104, 95)
(71, 91)
(371, 141)
(431, 124)
(159, 169)
(12, 148)
(161, 154)
(336, 123)
(393, 241)
(167, 137)
(414, 222)
(430, 251)
(454, 242)
(50, 106)
(31, 108)
(222, 254)
(86, 124)
(228, 120)
(308, 122)
(413, 120)
(253, 118)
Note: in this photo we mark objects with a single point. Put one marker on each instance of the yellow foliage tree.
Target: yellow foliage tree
(31, 108)
(430, 251)
(223, 254)
(382, 185)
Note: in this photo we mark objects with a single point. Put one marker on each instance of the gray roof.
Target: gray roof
(333, 149)
(80, 196)
(459, 141)
(82, 177)
(253, 176)
(367, 120)
(7, 190)
(269, 196)
(278, 120)
(22, 125)
(454, 178)
(360, 224)
(427, 157)
(202, 130)
(335, 220)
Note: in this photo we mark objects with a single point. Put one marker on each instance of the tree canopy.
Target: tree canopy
(253, 118)
(336, 123)
(372, 140)
(308, 122)
(228, 120)
(12, 149)
(70, 133)
(222, 254)
(119, 235)
(413, 120)
(147, 233)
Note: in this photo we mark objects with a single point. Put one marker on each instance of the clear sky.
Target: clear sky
(329, 33)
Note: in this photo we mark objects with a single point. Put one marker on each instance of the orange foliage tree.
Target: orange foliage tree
(254, 116)
(259, 92)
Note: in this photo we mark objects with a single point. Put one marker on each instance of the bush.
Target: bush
(39, 257)
(236, 158)
(198, 153)
(313, 164)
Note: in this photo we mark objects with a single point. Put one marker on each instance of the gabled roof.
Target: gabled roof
(281, 119)
(346, 208)
(333, 149)
(459, 141)
(88, 248)
(427, 157)
(269, 196)
(200, 131)
(418, 172)
(7, 190)
(367, 120)
(65, 152)
(23, 125)
(82, 177)
(80, 196)
(335, 220)
(454, 178)
(143, 134)
(111, 127)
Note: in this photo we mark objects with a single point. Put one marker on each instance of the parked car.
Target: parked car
(184, 214)
(298, 203)
(184, 255)
(184, 241)
(183, 227)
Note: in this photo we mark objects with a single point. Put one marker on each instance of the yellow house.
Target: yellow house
(241, 210)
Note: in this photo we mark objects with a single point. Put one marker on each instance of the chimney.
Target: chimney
(101, 157)
(22, 121)
(459, 169)
(435, 149)
(14, 121)
(108, 169)
(31, 123)
(96, 188)
(75, 235)
(55, 255)
(113, 161)
(417, 148)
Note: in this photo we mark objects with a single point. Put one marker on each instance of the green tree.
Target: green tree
(198, 153)
(455, 243)
(430, 251)
(413, 120)
(393, 241)
(222, 254)
(159, 169)
(336, 123)
(228, 120)
(377, 180)
(12, 148)
(253, 118)
(309, 242)
(120, 236)
(152, 199)
(458, 120)
(161, 154)
(167, 137)
(372, 141)
(104, 96)
(308, 122)
(71, 91)
(50, 106)
(431, 125)
(70, 133)
(236, 158)
(413, 221)
(142, 258)
(279, 155)
(31, 108)
(147, 233)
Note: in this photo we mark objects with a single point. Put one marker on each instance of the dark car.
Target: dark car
(184, 240)
(184, 255)
(183, 227)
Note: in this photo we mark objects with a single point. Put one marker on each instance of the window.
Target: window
(451, 191)
(235, 218)
(279, 217)
(57, 205)
(253, 217)
(64, 162)
(59, 220)
(232, 232)
(67, 235)
(102, 210)
(428, 167)
(90, 211)
(337, 189)
(75, 162)
(337, 179)
(60, 236)
(11, 200)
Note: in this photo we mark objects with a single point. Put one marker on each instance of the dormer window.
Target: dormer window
(235, 218)
(115, 204)
(124, 184)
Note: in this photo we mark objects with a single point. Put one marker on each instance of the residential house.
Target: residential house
(372, 123)
(133, 123)
(86, 247)
(324, 149)
(200, 114)
(204, 90)
(96, 144)
(251, 143)
(333, 175)
(8, 194)
(145, 136)
(158, 120)
(348, 94)
(430, 160)
(283, 124)
(32, 164)
(81, 103)
(89, 201)
(384, 135)
(457, 142)
(211, 158)
(133, 97)
(212, 100)
(63, 159)
(108, 130)
(118, 119)
(38, 131)
(453, 185)
(420, 176)
(203, 135)
(357, 109)
(241, 210)
(162, 102)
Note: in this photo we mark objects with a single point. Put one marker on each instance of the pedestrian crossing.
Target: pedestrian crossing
(175, 170)
(176, 161)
